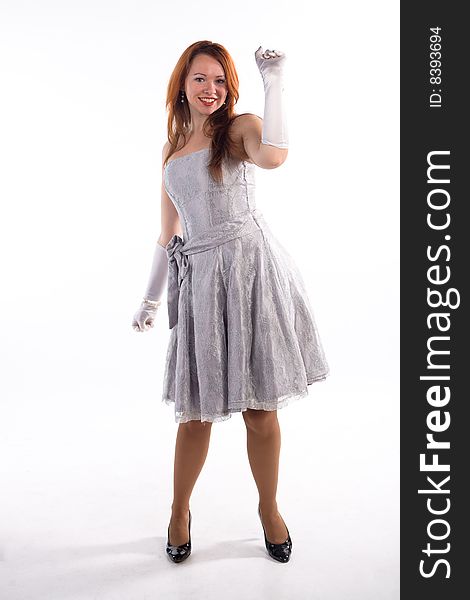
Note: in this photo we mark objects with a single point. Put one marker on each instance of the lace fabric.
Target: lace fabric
(245, 334)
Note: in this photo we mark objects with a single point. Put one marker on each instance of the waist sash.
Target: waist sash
(178, 251)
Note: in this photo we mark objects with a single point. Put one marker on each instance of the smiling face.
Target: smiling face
(205, 85)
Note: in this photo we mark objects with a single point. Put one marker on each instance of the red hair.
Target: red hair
(218, 122)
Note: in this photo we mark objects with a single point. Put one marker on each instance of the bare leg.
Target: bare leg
(192, 444)
(264, 445)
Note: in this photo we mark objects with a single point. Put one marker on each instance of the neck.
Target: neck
(197, 123)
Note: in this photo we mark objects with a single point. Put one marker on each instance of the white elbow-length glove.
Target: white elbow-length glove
(144, 318)
(271, 65)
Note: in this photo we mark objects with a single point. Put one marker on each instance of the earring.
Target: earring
(182, 96)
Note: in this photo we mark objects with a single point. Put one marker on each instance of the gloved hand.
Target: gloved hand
(144, 318)
(271, 65)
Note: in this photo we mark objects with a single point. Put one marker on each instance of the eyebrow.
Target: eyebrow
(206, 75)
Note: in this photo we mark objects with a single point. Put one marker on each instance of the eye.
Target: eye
(219, 80)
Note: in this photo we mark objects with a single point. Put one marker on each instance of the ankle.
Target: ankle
(179, 511)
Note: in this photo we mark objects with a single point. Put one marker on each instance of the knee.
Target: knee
(260, 421)
(197, 427)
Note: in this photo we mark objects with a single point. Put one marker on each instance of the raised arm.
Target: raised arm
(266, 140)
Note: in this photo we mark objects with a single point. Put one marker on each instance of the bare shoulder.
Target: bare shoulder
(248, 129)
(242, 127)
(165, 151)
(246, 124)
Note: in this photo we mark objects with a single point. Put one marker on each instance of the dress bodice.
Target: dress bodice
(202, 202)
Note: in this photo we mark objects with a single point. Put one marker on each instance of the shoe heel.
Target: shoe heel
(280, 552)
(179, 553)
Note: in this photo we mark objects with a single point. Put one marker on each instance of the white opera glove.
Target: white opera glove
(144, 318)
(271, 65)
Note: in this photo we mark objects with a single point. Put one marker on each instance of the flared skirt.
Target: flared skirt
(246, 335)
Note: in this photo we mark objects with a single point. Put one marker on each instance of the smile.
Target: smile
(207, 101)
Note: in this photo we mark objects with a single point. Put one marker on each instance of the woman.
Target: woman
(243, 336)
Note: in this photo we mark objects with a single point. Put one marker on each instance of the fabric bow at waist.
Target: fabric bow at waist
(178, 251)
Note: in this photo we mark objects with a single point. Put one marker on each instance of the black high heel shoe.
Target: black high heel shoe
(280, 552)
(179, 553)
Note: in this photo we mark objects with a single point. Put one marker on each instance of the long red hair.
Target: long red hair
(218, 122)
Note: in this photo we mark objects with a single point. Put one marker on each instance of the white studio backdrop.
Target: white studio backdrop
(87, 445)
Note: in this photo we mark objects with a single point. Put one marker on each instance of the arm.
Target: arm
(266, 140)
(145, 316)
(170, 222)
(271, 66)
(263, 155)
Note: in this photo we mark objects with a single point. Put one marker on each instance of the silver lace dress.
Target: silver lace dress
(243, 333)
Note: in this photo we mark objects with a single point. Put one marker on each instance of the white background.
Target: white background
(87, 446)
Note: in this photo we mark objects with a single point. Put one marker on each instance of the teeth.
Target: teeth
(208, 100)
